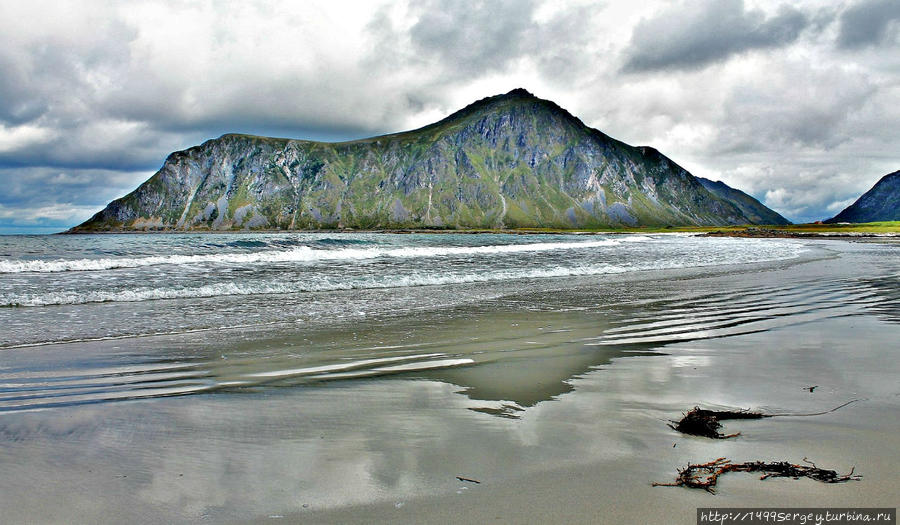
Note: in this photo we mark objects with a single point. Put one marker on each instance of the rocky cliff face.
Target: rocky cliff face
(509, 161)
(881, 203)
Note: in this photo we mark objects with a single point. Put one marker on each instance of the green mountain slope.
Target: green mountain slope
(752, 208)
(511, 160)
(881, 203)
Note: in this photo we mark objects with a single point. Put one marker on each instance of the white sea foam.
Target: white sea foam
(299, 254)
(268, 287)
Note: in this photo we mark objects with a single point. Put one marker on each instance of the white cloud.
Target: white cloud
(15, 138)
(56, 212)
(838, 206)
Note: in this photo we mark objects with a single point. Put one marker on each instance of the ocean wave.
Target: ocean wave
(635, 238)
(337, 241)
(298, 254)
(247, 244)
(416, 278)
(232, 288)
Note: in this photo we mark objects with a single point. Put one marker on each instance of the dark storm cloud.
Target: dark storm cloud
(868, 23)
(472, 37)
(89, 187)
(695, 35)
(53, 71)
(461, 41)
(290, 105)
(45, 200)
(560, 46)
(95, 147)
(787, 113)
(19, 104)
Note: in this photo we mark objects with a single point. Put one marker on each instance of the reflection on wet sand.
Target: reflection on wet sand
(887, 289)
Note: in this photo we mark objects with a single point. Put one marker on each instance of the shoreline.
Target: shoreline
(700, 231)
(766, 233)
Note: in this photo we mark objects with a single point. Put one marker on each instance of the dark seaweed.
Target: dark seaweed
(705, 475)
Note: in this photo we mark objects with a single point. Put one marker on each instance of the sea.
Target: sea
(154, 300)
(66, 288)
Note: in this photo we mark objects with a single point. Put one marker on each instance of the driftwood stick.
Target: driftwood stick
(470, 480)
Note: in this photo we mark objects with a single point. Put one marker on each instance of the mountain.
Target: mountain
(511, 160)
(752, 208)
(881, 203)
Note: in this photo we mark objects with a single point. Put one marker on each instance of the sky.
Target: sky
(795, 102)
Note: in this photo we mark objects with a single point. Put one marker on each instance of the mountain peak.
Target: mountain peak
(520, 92)
(510, 101)
(508, 161)
(489, 104)
(880, 203)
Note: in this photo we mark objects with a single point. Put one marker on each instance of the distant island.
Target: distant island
(507, 161)
(881, 203)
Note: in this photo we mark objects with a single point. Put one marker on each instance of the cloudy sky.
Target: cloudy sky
(796, 102)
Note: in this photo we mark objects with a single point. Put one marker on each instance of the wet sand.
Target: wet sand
(626, 445)
(558, 406)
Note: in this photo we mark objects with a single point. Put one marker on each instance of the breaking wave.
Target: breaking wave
(417, 277)
(323, 284)
(299, 254)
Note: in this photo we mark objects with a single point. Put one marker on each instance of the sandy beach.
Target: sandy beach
(619, 443)
(555, 398)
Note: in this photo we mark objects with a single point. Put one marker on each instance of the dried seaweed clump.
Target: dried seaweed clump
(705, 475)
(699, 422)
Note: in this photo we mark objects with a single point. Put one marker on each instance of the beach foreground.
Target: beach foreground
(554, 396)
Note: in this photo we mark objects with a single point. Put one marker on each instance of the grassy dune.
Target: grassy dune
(862, 227)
